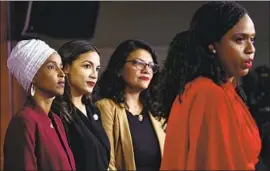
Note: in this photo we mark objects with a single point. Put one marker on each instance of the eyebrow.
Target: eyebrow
(90, 62)
(142, 60)
(55, 63)
(245, 34)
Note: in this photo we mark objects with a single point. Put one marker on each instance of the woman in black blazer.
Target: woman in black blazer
(87, 138)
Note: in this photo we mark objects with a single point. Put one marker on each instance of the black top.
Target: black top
(145, 143)
(88, 140)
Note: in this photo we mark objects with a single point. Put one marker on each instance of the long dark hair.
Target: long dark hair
(69, 52)
(189, 56)
(171, 77)
(111, 85)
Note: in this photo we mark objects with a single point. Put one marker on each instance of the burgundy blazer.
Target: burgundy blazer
(32, 142)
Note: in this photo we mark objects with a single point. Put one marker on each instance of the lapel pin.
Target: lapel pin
(95, 116)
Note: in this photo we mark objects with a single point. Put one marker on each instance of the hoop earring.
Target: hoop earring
(32, 89)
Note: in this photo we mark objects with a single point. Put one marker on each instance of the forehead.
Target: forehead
(55, 57)
(140, 54)
(89, 56)
(244, 26)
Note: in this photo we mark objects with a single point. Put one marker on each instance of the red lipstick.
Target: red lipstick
(144, 78)
(91, 83)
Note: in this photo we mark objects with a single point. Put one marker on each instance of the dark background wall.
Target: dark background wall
(157, 23)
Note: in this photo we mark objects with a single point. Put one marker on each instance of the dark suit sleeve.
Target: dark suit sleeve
(19, 145)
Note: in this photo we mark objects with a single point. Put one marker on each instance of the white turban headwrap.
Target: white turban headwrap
(26, 58)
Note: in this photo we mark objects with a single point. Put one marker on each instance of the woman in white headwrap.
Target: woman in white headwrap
(35, 138)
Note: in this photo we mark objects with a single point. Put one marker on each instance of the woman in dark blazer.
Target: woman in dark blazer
(87, 138)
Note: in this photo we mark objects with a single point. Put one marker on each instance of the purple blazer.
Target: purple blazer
(32, 142)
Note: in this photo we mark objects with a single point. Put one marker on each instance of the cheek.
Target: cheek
(129, 75)
(46, 80)
(75, 78)
(151, 76)
(230, 55)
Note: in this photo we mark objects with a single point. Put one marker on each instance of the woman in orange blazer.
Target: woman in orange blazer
(128, 109)
(209, 125)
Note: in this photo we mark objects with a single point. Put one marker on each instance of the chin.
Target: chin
(143, 86)
(59, 93)
(243, 72)
(89, 90)
(53, 92)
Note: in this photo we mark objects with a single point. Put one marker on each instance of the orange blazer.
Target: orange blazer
(211, 129)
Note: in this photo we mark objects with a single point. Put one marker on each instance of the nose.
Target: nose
(61, 73)
(94, 74)
(147, 69)
(250, 49)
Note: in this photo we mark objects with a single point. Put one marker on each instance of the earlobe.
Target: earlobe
(119, 72)
(212, 49)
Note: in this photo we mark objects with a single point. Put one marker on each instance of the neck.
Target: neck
(44, 102)
(234, 81)
(132, 99)
(76, 99)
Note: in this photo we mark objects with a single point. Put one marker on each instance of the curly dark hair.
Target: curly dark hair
(171, 76)
(111, 85)
(69, 52)
(189, 55)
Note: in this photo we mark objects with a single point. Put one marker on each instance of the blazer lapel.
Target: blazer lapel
(126, 139)
(63, 141)
(159, 131)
